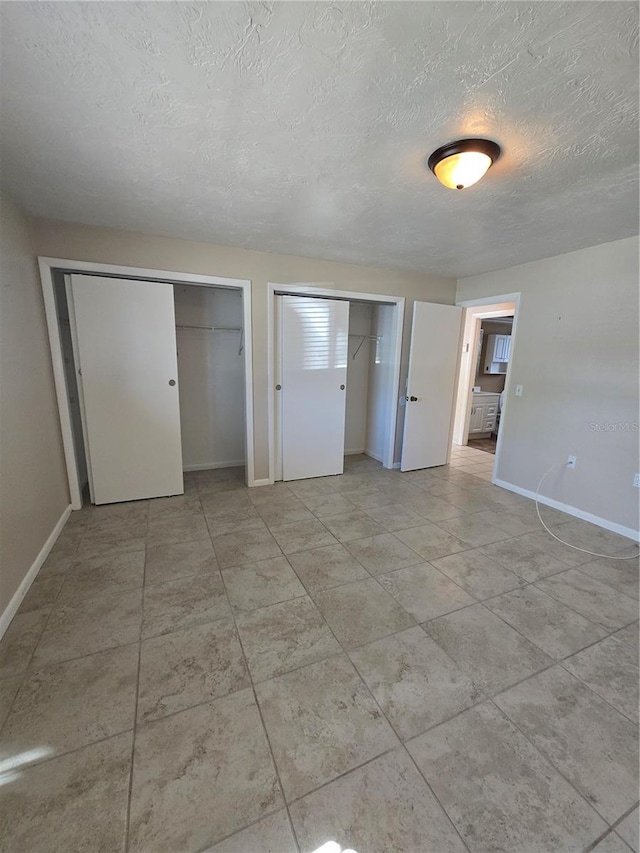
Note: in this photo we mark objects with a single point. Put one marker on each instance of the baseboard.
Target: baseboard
(629, 532)
(357, 452)
(265, 482)
(373, 455)
(11, 608)
(396, 466)
(235, 463)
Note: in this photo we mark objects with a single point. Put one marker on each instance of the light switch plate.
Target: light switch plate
(518, 390)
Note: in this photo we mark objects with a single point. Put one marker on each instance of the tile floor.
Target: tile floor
(390, 662)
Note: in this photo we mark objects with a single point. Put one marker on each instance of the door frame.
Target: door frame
(496, 307)
(49, 266)
(322, 290)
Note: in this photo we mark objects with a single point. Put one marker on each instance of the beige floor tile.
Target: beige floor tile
(361, 611)
(611, 843)
(415, 683)
(188, 667)
(478, 574)
(430, 541)
(550, 625)
(543, 541)
(395, 517)
(234, 521)
(83, 625)
(628, 830)
(596, 539)
(180, 528)
(94, 575)
(222, 503)
(302, 536)
(486, 648)
(365, 496)
(169, 562)
(472, 531)
(321, 722)
(19, 642)
(433, 508)
(201, 775)
(178, 505)
(352, 525)
(8, 689)
(42, 594)
(260, 584)
(127, 537)
(322, 505)
(424, 592)
(595, 600)
(529, 561)
(629, 635)
(590, 743)
(77, 802)
(284, 511)
(500, 793)
(478, 500)
(233, 549)
(284, 636)
(72, 704)
(310, 488)
(383, 806)
(510, 523)
(126, 512)
(383, 553)
(270, 835)
(183, 603)
(332, 565)
(622, 575)
(610, 668)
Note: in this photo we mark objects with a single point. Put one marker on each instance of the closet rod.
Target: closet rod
(212, 328)
(364, 338)
(219, 329)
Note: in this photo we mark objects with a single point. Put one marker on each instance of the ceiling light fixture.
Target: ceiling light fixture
(462, 163)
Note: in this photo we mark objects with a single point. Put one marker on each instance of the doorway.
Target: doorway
(481, 402)
(149, 282)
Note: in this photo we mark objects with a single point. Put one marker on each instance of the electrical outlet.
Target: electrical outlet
(571, 461)
(518, 390)
(636, 481)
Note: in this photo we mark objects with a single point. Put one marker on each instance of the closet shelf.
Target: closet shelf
(364, 338)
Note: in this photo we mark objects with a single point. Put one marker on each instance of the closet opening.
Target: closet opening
(153, 379)
(334, 376)
(210, 344)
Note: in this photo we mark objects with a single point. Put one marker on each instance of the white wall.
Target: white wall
(357, 378)
(576, 355)
(103, 245)
(210, 377)
(380, 381)
(33, 479)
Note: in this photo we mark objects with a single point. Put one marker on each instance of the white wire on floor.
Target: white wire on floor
(575, 547)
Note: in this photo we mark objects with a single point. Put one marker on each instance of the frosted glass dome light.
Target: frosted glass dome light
(462, 163)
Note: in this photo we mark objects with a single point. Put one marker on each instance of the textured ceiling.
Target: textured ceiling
(303, 127)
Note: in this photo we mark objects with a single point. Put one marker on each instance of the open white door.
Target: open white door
(313, 379)
(433, 362)
(126, 348)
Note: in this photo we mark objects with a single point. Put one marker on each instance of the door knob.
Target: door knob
(172, 382)
(342, 387)
(413, 399)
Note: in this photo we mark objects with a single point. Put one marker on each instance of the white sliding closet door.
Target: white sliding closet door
(433, 362)
(313, 378)
(126, 347)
